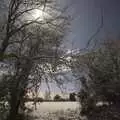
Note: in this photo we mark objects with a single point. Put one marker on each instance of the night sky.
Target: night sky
(87, 18)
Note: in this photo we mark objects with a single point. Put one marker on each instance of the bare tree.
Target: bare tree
(98, 72)
(32, 45)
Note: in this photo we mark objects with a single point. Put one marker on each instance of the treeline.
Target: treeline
(56, 98)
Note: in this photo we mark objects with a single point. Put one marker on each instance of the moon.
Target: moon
(39, 14)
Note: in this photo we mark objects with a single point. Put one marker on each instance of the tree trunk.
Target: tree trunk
(17, 91)
(16, 98)
(14, 106)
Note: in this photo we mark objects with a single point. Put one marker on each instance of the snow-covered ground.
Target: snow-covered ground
(55, 110)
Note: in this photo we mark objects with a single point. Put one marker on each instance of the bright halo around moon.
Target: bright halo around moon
(39, 14)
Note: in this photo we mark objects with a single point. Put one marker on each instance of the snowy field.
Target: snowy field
(55, 110)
